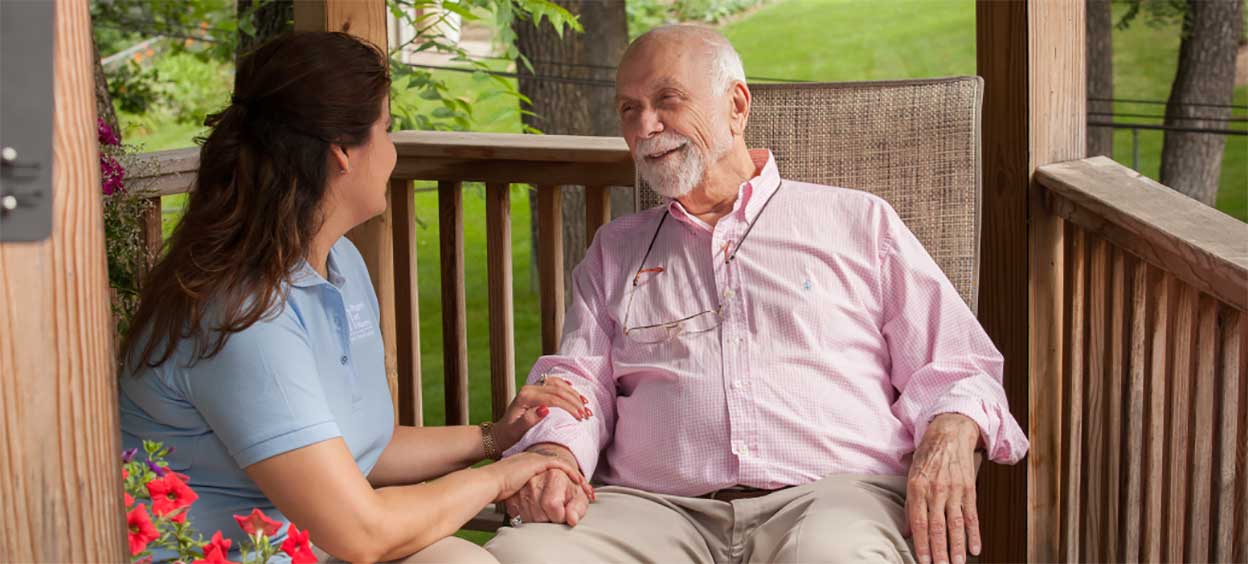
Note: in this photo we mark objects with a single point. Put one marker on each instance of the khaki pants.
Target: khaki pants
(448, 550)
(845, 518)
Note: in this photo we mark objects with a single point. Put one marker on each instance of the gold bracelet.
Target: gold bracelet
(487, 438)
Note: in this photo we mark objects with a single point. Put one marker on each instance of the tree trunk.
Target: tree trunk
(580, 108)
(1100, 74)
(1192, 162)
(103, 101)
(271, 18)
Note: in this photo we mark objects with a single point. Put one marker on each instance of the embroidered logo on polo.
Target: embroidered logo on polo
(359, 323)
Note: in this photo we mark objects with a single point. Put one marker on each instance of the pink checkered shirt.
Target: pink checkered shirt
(840, 340)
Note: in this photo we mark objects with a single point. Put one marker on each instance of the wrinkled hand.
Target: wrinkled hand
(940, 498)
(514, 472)
(551, 497)
(533, 403)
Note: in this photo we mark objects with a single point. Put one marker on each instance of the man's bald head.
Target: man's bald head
(709, 49)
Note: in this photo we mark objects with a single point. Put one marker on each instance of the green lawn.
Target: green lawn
(839, 40)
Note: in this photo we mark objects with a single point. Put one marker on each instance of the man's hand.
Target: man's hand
(940, 497)
(550, 497)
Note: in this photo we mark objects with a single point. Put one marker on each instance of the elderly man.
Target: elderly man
(766, 359)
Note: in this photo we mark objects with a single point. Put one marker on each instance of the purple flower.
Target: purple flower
(128, 454)
(105, 133)
(112, 175)
(157, 469)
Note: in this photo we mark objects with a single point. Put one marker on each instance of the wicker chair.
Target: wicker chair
(914, 143)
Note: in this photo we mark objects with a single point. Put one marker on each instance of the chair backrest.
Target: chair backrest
(915, 143)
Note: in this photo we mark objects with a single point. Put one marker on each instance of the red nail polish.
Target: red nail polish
(583, 400)
(543, 411)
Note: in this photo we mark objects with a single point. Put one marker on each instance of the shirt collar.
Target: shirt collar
(751, 195)
(305, 276)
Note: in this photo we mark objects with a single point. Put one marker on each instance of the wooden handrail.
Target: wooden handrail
(1198, 244)
(454, 156)
(1141, 293)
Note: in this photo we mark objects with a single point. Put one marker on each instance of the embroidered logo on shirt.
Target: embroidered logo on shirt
(357, 318)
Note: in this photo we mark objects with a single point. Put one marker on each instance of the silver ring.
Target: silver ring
(516, 521)
(541, 380)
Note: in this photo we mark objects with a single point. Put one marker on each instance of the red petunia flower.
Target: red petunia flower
(180, 517)
(257, 521)
(129, 500)
(298, 546)
(216, 550)
(140, 530)
(170, 494)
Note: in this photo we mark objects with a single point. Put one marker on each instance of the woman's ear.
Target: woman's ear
(339, 157)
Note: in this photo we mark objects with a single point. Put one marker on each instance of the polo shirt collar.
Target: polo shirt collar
(305, 276)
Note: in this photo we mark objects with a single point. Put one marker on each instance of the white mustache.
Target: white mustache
(663, 143)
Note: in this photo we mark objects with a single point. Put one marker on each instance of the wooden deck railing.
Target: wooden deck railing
(1140, 379)
(450, 159)
(1139, 418)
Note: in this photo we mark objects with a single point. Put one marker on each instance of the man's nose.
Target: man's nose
(651, 124)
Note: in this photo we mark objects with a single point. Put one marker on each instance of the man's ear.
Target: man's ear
(739, 116)
(340, 158)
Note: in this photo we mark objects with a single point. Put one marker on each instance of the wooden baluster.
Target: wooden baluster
(502, 323)
(454, 314)
(1072, 425)
(406, 304)
(1095, 408)
(1141, 319)
(1163, 286)
(1179, 433)
(1200, 471)
(1237, 365)
(550, 264)
(153, 234)
(1231, 446)
(1115, 381)
(597, 210)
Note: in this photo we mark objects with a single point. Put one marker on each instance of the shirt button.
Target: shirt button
(736, 385)
(729, 293)
(343, 360)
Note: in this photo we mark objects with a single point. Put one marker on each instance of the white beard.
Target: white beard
(679, 173)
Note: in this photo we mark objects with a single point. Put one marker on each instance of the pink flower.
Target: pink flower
(170, 494)
(140, 530)
(105, 133)
(298, 546)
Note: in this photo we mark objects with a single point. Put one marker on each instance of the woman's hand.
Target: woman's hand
(513, 472)
(532, 404)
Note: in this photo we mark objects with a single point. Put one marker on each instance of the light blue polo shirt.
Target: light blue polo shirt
(313, 372)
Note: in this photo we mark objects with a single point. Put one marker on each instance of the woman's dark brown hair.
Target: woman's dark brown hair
(257, 199)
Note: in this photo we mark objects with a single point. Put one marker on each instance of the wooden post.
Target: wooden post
(60, 461)
(1031, 55)
(365, 19)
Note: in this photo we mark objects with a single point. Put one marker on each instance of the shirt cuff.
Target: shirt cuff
(559, 427)
(287, 442)
(1003, 439)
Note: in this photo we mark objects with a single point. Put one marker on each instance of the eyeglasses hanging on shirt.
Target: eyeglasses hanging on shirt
(701, 322)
